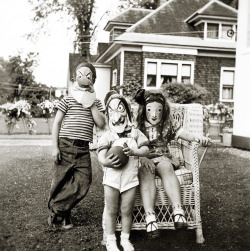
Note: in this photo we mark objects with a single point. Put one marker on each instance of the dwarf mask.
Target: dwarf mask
(82, 89)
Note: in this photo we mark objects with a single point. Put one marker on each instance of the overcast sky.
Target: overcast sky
(15, 22)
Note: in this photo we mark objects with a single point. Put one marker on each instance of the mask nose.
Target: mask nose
(84, 82)
(116, 117)
(154, 114)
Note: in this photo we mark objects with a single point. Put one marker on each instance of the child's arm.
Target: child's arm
(98, 117)
(56, 155)
(140, 152)
(109, 161)
(205, 141)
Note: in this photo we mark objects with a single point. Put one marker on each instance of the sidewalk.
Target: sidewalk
(25, 139)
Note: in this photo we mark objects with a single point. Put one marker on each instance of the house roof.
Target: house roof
(170, 16)
(127, 18)
(194, 42)
(215, 8)
(168, 26)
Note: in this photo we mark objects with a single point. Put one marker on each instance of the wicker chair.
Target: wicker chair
(191, 118)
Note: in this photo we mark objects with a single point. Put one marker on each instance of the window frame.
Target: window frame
(221, 83)
(114, 73)
(234, 28)
(158, 70)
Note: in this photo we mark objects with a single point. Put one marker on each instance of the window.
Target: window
(224, 32)
(220, 31)
(227, 84)
(158, 72)
(186, 74)
(151, 74)
(169, 73)
(114, 77)
(213, 31)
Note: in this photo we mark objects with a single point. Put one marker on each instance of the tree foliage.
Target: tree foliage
(22, 84)
(3, 72)
(79, 12)
(20, 73)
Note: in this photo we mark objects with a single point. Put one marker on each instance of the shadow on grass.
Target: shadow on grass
(24, 185)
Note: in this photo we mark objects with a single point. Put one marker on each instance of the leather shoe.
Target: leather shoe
(67, 223)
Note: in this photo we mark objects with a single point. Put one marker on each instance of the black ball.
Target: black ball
(118, 151)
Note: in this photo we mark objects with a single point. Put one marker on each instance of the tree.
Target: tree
(3, 72)
(21, 74)
(232, 3)
(80, 14)
(78, 11)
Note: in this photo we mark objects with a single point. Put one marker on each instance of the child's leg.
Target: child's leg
(111, 210)
(127, 205)
(173, 190)
(148, 194)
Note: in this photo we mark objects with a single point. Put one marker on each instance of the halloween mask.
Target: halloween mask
(84, 77)
(154, 112)
(117, 115)
(82, 89)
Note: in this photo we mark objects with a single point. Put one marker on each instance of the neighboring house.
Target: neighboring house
(241, 131)
(191, 41)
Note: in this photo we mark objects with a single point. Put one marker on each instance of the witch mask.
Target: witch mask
(117, 110)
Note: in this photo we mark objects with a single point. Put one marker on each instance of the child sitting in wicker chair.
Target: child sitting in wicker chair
(154, 121)
(120, 182)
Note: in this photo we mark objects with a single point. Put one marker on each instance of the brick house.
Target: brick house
(191, 41)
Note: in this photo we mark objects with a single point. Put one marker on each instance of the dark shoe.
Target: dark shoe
(67, 223)
(52, 220)
(153, 234)
(180, 221)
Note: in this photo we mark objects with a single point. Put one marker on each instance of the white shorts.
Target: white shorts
(122, 179)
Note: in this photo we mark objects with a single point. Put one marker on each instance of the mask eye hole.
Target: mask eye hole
(120, 108)
(110, 110)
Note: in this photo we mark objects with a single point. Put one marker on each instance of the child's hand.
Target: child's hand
(204, 141)
(112, 161)
(147, 164)
(128, 151)
(56, 155)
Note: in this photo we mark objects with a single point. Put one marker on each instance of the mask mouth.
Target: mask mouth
(119, 122)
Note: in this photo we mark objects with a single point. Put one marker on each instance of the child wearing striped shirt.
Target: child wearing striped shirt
(72, 132)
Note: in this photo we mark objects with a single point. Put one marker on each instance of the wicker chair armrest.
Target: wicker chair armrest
(190, 155)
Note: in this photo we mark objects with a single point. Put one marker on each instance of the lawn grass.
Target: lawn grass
(25, 182)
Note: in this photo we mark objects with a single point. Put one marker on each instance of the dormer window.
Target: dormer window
(220, 31)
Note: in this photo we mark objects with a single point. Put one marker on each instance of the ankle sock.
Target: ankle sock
(111, 237)
(124, 236)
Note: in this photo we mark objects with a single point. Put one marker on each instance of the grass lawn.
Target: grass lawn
(25, 182)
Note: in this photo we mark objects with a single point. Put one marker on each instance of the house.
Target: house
(241, 132)
(191, 41)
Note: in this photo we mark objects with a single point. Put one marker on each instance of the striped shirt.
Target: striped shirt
(78, 121)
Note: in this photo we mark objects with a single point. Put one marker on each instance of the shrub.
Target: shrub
(184, 93)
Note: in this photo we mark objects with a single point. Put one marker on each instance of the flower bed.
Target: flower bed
(217, 118)
(16, 112)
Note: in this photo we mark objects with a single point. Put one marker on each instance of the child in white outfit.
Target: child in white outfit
(120, 182)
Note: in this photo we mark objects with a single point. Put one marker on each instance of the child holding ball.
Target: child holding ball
(118, 181)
